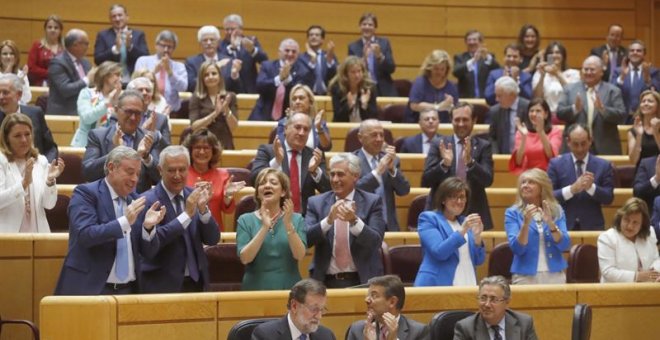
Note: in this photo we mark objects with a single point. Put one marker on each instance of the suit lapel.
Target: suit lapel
(106, 201)
(71, 65)
(403, 328)
(512, 329)
(306, 156)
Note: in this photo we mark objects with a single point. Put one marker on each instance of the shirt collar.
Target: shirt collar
(368, 155)
(113, 193)
(72, 57)
(514, 106)
(169, 194)
(585, 160)
(348, 197)
(295, 332)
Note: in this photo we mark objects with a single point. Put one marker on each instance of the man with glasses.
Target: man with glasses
(306, 305)
(127, 132)
(170, 75)
(494, 320)
(385, 298)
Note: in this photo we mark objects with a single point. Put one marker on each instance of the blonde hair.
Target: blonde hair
(201, 91)
(341, 78)
(310, 97)
(541, 178)
(436, 57)
(7, 124)
(104, 70)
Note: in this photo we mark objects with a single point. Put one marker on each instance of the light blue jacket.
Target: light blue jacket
(89, 114)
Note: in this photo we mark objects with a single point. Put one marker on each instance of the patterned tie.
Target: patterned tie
(383, 332)
(613, 63)
(121, 258)
(461, 169)
(191, 261)
(162, 81)
(636, 81)
(496, 329)
(590, 107)
(294, 176)
(475, 68)
(278, 105)
(128, 140)
(342, 249)
(578, 167)
(302, 337)
(380, 191)
(319, 84)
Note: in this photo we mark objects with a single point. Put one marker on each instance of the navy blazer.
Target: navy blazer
(365, 248)
(267, 89)
(384, 69)
(583, 211)
(106, 39)
(163, 268)
(192, 68)
(65, 85)
(248, 73)
(655, 217)
(642, 187)
(43, 138)
(308, 186)
(500, 125)
(391, 185)
(327, 72)
(93, 232)
(479, 176)
(524, 84)
(413, 144)
(99, 145)
(279, 330)
(631, 94)
(466, 78)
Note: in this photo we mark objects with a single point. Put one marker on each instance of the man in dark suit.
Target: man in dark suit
(377, 54)
(105, 240)
(346, 227)
(421, 142)
(120, 44)
(323, 64)
(647, 179)
(247, 49)
(385, 298)
(381, 173)
(101, 141)
(494, 320)
(179, 265)
(582, 182)
(471, 68)
(596, 104)
(463, 156)
(502, 117)
(152, 121)
(67, 74)
(310, 163)
(209, 38)
(512, 60)
(276, 79)
(612, 53)
(635, 76)
(655, 215)
(306, 305)
(11, 90)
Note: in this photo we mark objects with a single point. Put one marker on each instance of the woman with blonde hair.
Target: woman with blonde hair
(301, 99)
(352, 91)
(45, 49)
(644, 136)
(536, 230)
(10, 59)
(432, 89)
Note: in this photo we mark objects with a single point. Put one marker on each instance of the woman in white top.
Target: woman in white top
(10, 59)
(552, 75)
(628, 252)
(27, 181)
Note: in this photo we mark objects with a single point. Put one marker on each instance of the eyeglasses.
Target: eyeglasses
(484, 299)
(165, 46)
(315, 310)
(131, 112)
(458, 198)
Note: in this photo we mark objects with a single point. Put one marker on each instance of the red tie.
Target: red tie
(276, 113)
(162, 78)
(294, 175)
(342, 249)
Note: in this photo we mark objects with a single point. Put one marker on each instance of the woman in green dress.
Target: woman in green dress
(271, 240)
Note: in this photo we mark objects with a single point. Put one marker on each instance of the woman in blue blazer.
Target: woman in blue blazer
(451, 242)
(536, 230)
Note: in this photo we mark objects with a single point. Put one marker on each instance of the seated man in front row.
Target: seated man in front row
(385, 299)
(494, 320)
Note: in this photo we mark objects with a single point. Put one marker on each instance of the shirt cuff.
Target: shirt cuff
(205, 217)
(316, 176)
(470, 64)
(149, 161)
(356, 229)
(377, 176)
(654, 182)
(325, 226)
(273, 164)
(148, 235)
(114, 49)
(125, 226)
(566, 193)
(592, 189)
(184, 219)
(254, 53)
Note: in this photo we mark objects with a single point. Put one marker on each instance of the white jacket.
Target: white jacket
(617, 259)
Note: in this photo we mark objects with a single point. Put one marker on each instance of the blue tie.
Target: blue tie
(319, 84)
(123, 56)
(303, 337)
(191, 262)
(121, 258)
(475, 67)
(371, 65)
(128, 140)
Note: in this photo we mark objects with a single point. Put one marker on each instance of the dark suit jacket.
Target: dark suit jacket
(409, 329)
(605, 123)
(479, 176)
(99, 145)
(655, 217)
(192, 68)
(326, 72)
(383, 70)
(65, 85)
(466, 78)
(267, 89)
(620, 53)
(517, 326)
(413, 144)
(500, 123)
(43, 138)
(93, 232)
(308, 186)
(341, 110)
(631, 93)
(162, 125)
(583, 211)
(106, 39)
(642, 187)
(391, 185)
(524, 84)
(364, 247)
(163, 268)
(279, 330)
(248, 72)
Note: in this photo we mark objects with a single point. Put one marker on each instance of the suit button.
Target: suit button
(550, 255)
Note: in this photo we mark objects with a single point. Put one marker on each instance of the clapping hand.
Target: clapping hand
(446, 153)
(521, 127)
(315, 161)
(154, 215)
(231, 187)
(55, 169)
(134, 209)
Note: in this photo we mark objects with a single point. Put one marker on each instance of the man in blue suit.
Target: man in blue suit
(346, 227)
(119, 44)
(179, 265)
(635, 76)
(323, 64)
(67, 74)
(421, 142)
(512, 69)
(471, 68)
(105, 240)
(381, 173)
(502, 117)
(209, 38)
(247, 49)
(276, 79)
(582, 182)
(647, 179)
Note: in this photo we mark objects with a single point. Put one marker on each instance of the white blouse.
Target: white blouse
(619, 258)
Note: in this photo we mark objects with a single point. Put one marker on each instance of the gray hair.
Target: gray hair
(367, 123)
(300, 290)
(173, 151)
(352, 160)
(288, 41)
(15, 81)
(233, 18)
(497, 280)
(508, 84)
(129, 94)
(167, 35)
(208, 29)
(72, 36)
(290, 120)
(595, 59)
(118, 154)
(133, 84)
